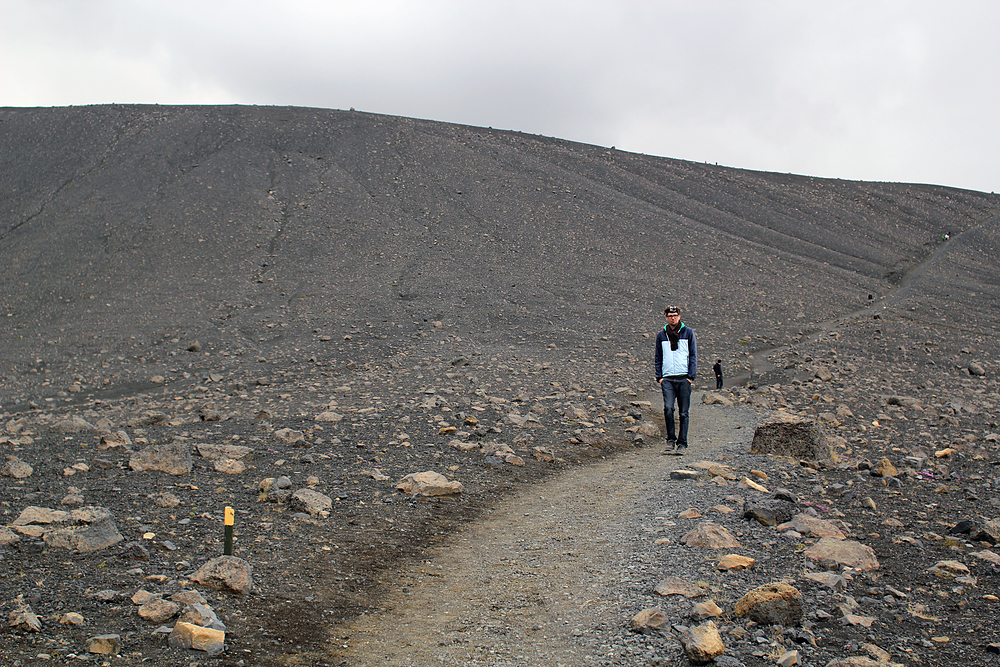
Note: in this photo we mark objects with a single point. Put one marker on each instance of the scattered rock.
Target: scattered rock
(288, 436)
(226, 573)
(158, 610)
(23, 618)
(702, 643)
(771, 604)
(701, 611)
(190, 636)
(311, 502)
(789, 435)
(735, 562)
(767, 511)
(173, 458)
(811, 526)
(649, 620)
(72, 425)
(105, 644)
(429, 484)
(884, 468)
(843, 552)
(708, 535)
(85, 529)
(16, 468)
(677, 586)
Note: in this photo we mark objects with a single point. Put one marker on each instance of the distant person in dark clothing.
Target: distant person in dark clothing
(676, 366)
(718, 373)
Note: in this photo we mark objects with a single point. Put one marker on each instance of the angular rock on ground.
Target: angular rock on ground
(704, 610)
(201, 614)
(16, 468)
(23, 617)
(158, 610)
(790, 435)
(173, 458)
(677, 586)
(105, 644)
(311, 502)
(735, 562)
(843, 552)
(189, 636)
(812, 526)
(649, 620)
(85, 529)
(226, 573)
(768, 511)
(71, 425)
(709, 535)
(429, 484)
(288, 436)
(702, 643)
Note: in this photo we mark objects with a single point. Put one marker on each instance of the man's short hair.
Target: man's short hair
(669, 310)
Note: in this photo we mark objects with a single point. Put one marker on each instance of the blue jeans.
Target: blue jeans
(679, 390)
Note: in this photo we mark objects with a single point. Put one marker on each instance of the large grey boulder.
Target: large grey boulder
(173, 458)
(790, 435)
(85, 529)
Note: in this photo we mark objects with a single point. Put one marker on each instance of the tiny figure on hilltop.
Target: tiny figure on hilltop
(676, 366)
(718, 373)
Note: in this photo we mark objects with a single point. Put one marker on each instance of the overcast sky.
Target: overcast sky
(873, 90)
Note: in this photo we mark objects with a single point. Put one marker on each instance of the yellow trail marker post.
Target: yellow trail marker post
(229, 532)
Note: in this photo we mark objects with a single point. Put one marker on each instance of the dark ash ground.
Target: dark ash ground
(417, 273)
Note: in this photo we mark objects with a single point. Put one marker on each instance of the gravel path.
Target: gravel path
(553, 577)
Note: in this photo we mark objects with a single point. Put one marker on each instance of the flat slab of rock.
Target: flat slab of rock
(735, 562)
(708, 535)
(716, 469)
(834, 582)
(429, 484)
(811, 526)
(85, 529)
(677, 586)
(843, 552)
(234, 452)
(173, 458)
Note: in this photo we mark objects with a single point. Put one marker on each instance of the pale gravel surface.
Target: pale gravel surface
(553, 577)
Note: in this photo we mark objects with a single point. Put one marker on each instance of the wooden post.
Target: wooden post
(229, 532)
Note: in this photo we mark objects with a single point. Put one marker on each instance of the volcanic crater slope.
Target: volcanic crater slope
(252, 228)
(477, 302)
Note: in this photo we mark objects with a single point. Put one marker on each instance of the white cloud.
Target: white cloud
(881, 90)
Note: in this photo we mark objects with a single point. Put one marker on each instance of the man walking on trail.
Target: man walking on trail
(718, 373)
(676, 366)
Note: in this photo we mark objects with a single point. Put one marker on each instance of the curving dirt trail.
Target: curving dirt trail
(538, 581)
